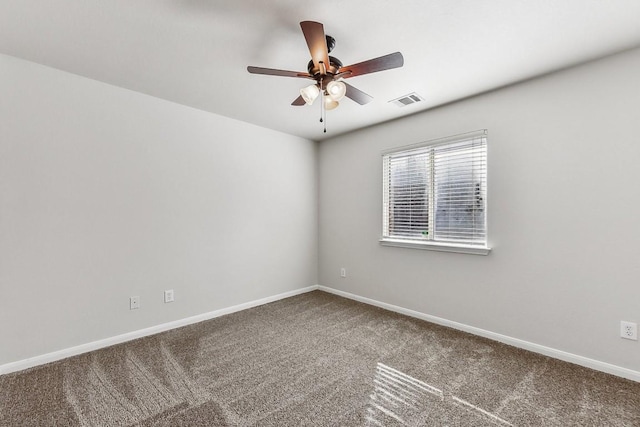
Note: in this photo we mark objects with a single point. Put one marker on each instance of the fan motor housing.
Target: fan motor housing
(334, 65)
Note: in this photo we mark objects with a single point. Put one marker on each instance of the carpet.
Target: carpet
(315, 360)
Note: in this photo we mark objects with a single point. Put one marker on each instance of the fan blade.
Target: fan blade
(274, 72)
(317, 43)
(357, 95)
(387, 62)
(299, 101)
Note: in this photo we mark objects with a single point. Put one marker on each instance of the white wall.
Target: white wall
(107, 193)
(564, 206)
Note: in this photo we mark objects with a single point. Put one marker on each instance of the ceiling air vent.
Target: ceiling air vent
(405, 100)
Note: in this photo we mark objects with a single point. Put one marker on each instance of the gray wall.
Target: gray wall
(563, 202)
(107, 193)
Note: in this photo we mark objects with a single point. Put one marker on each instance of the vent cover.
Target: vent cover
(405, 100)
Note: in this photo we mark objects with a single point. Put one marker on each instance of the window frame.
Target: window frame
(431, 244)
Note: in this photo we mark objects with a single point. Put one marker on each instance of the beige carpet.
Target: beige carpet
(315, 360)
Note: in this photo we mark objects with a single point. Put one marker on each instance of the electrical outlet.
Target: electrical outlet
(134, 303)
(343, 272)
(629, 330)
(168, 295)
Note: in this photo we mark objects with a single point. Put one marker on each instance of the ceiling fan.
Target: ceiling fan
(328, 72)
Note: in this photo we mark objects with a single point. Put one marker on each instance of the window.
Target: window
(435, 195)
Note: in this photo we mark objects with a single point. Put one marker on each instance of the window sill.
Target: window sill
(436, 246)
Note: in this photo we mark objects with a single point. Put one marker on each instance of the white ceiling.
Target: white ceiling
(195, 52)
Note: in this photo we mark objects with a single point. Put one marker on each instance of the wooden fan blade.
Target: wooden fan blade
(274, 72)
(387, 62)
(299, 101)
(317, 43)
(357, 95)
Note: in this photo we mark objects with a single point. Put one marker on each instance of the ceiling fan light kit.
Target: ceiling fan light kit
(336, 90)
(330, 104)
(310, 93)
(328, 72)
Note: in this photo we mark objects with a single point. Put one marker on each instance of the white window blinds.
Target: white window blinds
(436, 192)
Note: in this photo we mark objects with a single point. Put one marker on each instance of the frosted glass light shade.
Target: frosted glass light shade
(336, 90)
(309, 93)
(330, 103)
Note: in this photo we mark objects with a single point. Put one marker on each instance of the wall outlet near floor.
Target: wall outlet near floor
(629, 330)
(168, 295)
(343, 272)
(134, 303)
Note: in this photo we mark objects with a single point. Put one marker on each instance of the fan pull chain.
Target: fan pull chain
(323, 114)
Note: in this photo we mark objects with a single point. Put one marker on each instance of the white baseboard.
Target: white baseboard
(96, 345)
(515, 342)
(536, 348)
